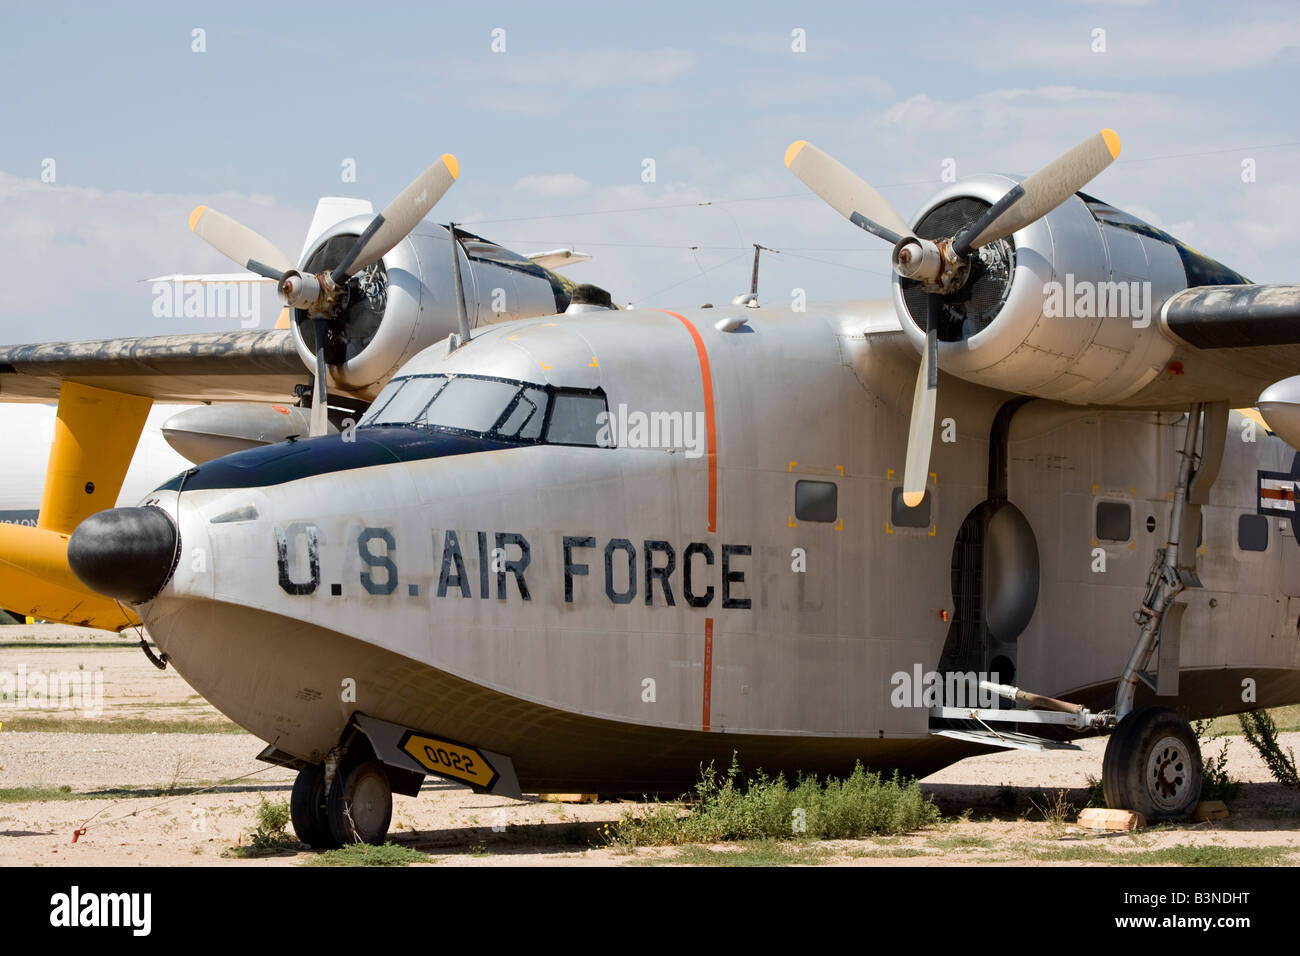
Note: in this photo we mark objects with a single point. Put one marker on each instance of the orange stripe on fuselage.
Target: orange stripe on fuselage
(708, 673)
(710, 425)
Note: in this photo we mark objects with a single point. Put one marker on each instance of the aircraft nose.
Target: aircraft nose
(124, 553)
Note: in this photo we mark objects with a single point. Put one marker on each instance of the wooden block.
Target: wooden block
(568, 797)
(1210, 810)
(1101, 818)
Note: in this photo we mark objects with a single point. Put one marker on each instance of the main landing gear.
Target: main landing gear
(1153, 765)
(1153, 759)
(355, 807)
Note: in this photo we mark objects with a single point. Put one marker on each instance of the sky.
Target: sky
(137, 118)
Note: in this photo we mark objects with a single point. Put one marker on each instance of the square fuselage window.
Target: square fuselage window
(816, 500)
(1114, 521)
(901, 516)
(1252, 533)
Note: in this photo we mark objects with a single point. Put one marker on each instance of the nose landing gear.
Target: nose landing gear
(356, 807)
(307, 808)
(360, 803)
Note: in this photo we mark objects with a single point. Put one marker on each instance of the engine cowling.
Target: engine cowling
(406, 301)
(1066, 308)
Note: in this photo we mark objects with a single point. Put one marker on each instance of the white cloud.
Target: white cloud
(587, 69)
(770, 89)
(75, 257)
(558, 80)
(1185, 46)
(554, 186)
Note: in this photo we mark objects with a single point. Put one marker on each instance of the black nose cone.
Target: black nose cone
(125, 553)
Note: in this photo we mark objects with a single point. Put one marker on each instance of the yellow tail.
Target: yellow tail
(95, 437)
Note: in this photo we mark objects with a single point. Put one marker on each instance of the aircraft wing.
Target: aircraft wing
(248, 366)
(1235, 341)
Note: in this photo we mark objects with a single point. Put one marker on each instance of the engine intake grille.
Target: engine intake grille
(974, 307)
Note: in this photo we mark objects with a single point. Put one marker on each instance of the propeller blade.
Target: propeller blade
(1048, 188)
(399, 217)
(238, 243)
(965, 242)
(920, 435)
(319, 422)
(845, 192)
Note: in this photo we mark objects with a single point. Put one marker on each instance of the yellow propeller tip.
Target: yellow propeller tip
(792, 150)
(452, 165)
(196, 215)
(1112, 142)
(913, 498)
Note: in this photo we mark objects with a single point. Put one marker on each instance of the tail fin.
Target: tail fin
(95, 436)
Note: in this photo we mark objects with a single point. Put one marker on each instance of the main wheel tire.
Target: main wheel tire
(360, 803)
(1153, 765)
(307, 809)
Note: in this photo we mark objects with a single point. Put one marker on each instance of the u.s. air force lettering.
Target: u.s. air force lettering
(503, 564)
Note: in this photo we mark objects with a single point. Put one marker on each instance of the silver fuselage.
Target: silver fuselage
(330, 585)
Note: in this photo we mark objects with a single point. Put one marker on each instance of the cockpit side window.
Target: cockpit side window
(575, 418)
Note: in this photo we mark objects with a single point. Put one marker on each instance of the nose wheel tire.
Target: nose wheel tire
(307, 809)
(1153, 765)
(360, 804)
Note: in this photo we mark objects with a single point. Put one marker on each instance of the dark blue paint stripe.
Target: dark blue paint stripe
(304, 458)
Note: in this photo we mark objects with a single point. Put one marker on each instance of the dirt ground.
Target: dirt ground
(149, 795)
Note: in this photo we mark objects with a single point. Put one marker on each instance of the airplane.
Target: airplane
(586, 549)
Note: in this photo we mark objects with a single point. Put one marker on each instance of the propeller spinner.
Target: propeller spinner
(943, 266)
(324, 295)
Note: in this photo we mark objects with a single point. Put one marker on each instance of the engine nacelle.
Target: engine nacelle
(1280, 406)
(1067, 308)
(204, 432)
(406, 301)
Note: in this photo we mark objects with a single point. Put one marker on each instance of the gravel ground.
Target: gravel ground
(456, 826)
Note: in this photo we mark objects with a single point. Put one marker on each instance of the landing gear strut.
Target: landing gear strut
(356, 807)
(1153, 759)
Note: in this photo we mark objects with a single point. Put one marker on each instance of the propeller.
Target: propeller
(924, 399)
(943, 266)
(325, 295)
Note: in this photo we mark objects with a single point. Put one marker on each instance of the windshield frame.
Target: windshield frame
(522, 386)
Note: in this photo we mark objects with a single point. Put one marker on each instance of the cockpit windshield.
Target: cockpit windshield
(501, 409)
